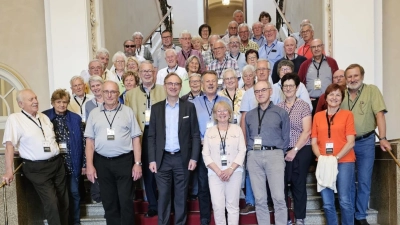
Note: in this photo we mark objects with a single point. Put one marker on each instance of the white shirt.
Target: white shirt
(28, 138)
(164, 72)
(77, 105)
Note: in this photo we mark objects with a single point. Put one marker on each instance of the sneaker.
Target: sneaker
(248, 210)
(299, 221)
(289, 222)
(271, 209)
(361, 222)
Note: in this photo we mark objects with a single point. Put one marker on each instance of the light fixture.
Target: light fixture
(225, 2)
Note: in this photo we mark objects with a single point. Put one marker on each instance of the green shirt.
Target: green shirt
(368, 102)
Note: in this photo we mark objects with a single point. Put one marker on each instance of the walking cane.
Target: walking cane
(2, 185)
(390, 153)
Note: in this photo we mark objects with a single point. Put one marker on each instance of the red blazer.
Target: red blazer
(304, 67)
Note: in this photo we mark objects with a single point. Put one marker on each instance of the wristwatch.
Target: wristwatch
(382, 138)
(138, 163)
(337, 157)
(296, 149)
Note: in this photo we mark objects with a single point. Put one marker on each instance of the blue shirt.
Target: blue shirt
(171, 127)
(204, 108)
(261, 42)
(273, 53)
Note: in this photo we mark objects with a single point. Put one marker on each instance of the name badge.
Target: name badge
(235, 120)
(63, 147)
(329, 148)
(147, 116)
(46, 146)
(110, 134)
(210, 123)
(224, 160)
(317, 84)
(220, 82)
(257, 143)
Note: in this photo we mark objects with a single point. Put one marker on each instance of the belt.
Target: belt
(44, 160)
(115, 157)
(365, 135)
(172, 153)
(266, 148)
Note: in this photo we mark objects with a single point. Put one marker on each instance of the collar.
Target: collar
(261, 37)
(323, 58)
(76, 96)
(214, 99)
(167, 104)
(142, 88)
(119, 107)
(36, 117)
(172, 47)
(273, 43)
(295, 56)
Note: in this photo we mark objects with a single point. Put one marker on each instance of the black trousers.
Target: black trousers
(296, 175)
(171, 171)
(49, 180)
(204, 192)
(149, 179)
(115, 178)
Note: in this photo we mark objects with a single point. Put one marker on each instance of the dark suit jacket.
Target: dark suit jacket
(189, 133)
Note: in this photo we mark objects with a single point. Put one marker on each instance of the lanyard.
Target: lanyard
(304, 53)
(237, 57)
(139, 50)
(260, 119)
(183, 53)
(291, 108)
(147, 95)
(221, 69)
(205, 103)
(272, 46)
(40, 126)
(348, 99)
(116, 74)
(176, 67)
(113, 117)
(319, 66)
(223, 140)
(232, 99)
(330, 121)
(77, 102)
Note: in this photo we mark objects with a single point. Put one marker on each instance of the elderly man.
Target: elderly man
(297, 36)
(195, 87)
(307, 33)
(204, 108)
(113, 155)
(103, 56)
(238, 16)
(174, 149)
(234, 52)
(232, 31)
(208, 56)
(32, 132)
(289, 45)
(141, 50)
(258, 36)
(141, 99)
(245, 43)
(158, 55)
(77, 105)
(185, 39)
(267, 138)
(221, 61)
(337, 78)
(130, 50)
(273, 49)
(316, 73)
(95, 68)
(368, 107)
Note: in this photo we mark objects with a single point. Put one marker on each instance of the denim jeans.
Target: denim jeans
(365, 155)
(74, 199)
(345, 184)
(249, 192)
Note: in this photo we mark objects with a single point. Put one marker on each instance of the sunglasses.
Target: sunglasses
(129, 46)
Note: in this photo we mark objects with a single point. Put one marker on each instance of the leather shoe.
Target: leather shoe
(361, 222)
(151, 213)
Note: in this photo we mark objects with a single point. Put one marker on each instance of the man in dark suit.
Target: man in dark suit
(174, 148)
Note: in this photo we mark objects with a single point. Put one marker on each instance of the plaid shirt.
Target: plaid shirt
(250, 45)
(208, 57)
(221, 66)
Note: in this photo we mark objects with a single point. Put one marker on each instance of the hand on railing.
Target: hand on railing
(9, 177)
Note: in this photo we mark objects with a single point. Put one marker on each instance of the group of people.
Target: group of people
(244, 110)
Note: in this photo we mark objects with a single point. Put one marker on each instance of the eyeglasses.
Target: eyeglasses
(306, 32)
(288, 86)
(261, 90)
(146, 71)
(95, 68)
(248, 75)
(194, 81)
(77, 85)
(219, 48)
(233, 28)
(338, 77)
(263, 69)
(170, 84)
(234, 42)
(229, 78)
(166, 37)
(269, 31)
(110, 92)
(222, 111)
(317, 46)
(285, 69)
(187, 39)
(120, 61)
(130, 46)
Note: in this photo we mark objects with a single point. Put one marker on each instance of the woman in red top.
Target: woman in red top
(333, 134)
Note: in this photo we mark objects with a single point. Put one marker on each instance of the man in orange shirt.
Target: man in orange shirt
(307, 33)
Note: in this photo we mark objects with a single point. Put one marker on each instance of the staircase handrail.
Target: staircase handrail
(3, 185)
(289, 27)
(157, 28)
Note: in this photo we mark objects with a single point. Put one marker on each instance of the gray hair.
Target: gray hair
(232, 22)
(184, 32)
(269, 24)
(220, 41)
(263, 60)
(146, 62)
(244, 25)
(194, 75)
(119, 54)
(136, 34)
(102, 51)
(214, 35)
(76, 78)
(95, 79)
(237, 11)
(234, 36)
(229, 70)
(248, 68)
(308, 24)
(169, 50)
(258, 23)
(96, 60)
(19, 94)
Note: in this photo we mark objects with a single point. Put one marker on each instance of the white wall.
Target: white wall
(187, 15)
(255, 7)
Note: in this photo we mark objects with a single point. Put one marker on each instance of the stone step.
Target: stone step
(318, 217)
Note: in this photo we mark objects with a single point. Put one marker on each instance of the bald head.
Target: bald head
(27, 100)
(289, 46)
(317, 47)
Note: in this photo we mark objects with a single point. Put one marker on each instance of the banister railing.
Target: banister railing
(148, 39)
(281, 18)
(3, 185)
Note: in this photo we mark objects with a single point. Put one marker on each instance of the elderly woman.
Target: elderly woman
(232, 92)
(264, 18)
(252, 57)
(96, 87)
(333, 137)
(69, 136)
(132, 64)
(249, 77)
(223, 153)
(195, 87)
(204, 32)
(119, 61)
(299, 154)
(196, 43)
(130, 80)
